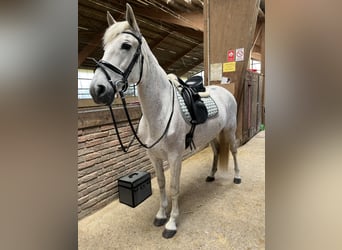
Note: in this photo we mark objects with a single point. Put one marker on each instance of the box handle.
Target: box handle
(131, 175)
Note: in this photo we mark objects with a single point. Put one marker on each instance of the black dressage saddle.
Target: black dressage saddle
(196, 107)
(195, 83)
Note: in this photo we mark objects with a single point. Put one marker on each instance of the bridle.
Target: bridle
(103, 65)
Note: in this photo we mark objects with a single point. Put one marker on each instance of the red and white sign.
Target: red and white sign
(240, 54)
(231, 55)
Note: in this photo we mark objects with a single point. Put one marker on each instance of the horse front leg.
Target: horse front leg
(175, 170)
(161, 217)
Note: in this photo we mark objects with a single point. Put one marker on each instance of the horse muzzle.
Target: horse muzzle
(102, 93)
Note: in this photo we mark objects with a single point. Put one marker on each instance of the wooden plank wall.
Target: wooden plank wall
(229, 24)
(252, 106)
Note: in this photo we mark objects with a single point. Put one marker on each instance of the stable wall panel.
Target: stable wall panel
(229, 25)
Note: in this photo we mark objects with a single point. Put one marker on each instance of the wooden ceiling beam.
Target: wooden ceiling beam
(179, 56)
(192, 20)
(156, 43)
(187, 69)
(90, 48)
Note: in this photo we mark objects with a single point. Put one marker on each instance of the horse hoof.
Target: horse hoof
(159, 222)
(167, 234)
(237, 180)
(210, 179)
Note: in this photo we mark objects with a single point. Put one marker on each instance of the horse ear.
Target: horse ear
(110, 19)
(131, 18)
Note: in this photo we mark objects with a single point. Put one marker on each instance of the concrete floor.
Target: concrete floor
(216, 215)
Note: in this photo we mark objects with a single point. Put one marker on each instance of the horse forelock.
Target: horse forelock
(114, 30)
(119, 27)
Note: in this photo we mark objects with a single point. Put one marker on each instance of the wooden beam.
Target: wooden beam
(159, 41)
(187, 69)
(192, 20)
(237, 31)
(196, 18)
(179, 56)
(88, 49)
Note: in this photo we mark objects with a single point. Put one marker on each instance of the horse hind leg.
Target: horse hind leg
(220, 147)
(215, 147)
(233, 149)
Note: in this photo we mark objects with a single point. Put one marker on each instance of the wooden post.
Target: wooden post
(229, 25)
(263, 72)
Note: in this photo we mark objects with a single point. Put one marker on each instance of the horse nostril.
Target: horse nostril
(100, 90)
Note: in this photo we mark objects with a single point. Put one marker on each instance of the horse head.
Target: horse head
(122, 61)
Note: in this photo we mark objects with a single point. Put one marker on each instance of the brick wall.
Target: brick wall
(101, 162)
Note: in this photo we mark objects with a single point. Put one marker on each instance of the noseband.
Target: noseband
(103, 65)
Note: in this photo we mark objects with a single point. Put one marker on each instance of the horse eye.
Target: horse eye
(126, 46)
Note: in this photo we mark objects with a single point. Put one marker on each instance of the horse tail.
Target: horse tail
(223, 154)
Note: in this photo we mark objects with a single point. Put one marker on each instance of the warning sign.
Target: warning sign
(231, 55)
(240, 54)
(229, 67)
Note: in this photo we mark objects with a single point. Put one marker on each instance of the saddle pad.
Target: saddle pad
(208, 102)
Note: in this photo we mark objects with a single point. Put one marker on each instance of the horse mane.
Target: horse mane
(114, 30)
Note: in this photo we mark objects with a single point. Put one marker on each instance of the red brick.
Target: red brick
(90, 183)
(105, 158)
(105, 144)
(107, 127)
(86, 164)
(84, 138)
(80, 145)
(82, 186)
(105, 195)
(95, 168)
(109, 186)
(110, 151)
(81, 139)
(81, 159)
(82, 200)
(94, 193)
(107, 181)
(101, 134)
(92, 156)
(94, 142)
(113, 145)
(133, 154)
(108, 163)
(84, 151)
(88, 204)
(88, 177)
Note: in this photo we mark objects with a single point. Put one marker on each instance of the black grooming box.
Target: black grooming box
(134, 188)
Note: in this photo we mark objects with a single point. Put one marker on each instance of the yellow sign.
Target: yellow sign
(229, 67)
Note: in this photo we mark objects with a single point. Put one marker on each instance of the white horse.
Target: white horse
(128, 58)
